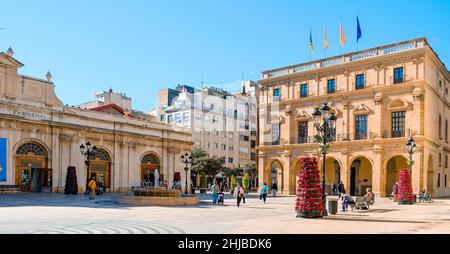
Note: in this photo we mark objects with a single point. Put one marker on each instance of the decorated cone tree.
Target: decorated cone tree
(405, 194)
(309, 193)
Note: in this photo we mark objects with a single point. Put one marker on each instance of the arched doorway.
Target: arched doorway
(149, 164)
(430, 176)
(393, 167)
(31, 168)
(360, 176)
(332, 173)
(100, 168)
(274, 174)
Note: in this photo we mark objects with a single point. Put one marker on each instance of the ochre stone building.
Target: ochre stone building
(381, 97)
(39, 134)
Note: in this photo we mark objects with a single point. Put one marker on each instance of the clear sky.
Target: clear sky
(140, 46)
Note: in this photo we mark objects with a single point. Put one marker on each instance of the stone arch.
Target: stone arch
(392, 168)
(100, 167)
(333, 171)
(31, 161)
(270, 176)
(361, 174)
(149, 163)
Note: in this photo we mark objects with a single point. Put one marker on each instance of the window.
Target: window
(276, 92)
(169, 119)
(230, 160)
(446, 90)
(231, 148)
(178, 118)
(359, 81)
(163, 118)
(216, 145)
(253, 156)
(243, 138)
(243, 149)
(440, 159)
(303, 132)
(304, 91)
(224, 147)
(253, 144)
(398, 124)
(446, 161)
(253, 133)
(440, 127)
(446, 131)
(439, 180)
(398, 75)
(361, 127)
(440, 83)
(331, 86)
(445, 183)
(276, 134)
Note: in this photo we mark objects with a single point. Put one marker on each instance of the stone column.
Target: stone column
(417, 169)
(377, 175)
(286, 127)
(285, 172)
(261, 165)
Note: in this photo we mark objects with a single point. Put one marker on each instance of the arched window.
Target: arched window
(31, 148)
(150, 159)
(100, 155)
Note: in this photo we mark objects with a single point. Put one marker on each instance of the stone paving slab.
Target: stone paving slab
(60, 214)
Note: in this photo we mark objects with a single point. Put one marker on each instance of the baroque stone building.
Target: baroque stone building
(381, 96)
(40, 137)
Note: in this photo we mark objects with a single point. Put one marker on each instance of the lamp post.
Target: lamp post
(325, 123)
(411, 148)
(88, 152)
(186, 159)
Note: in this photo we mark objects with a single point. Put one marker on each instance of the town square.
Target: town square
(199, 118)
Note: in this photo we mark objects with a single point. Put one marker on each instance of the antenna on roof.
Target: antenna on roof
(202, 82)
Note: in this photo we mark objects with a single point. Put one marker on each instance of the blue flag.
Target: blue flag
(358, 33)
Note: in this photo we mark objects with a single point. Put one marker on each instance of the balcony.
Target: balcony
(348, 58)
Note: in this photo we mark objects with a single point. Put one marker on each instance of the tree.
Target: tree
(209, 166)
(252, 171)
(233, 182)
(245, 181)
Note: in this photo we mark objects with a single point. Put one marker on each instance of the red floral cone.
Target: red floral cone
(309, 193)
(405, 194)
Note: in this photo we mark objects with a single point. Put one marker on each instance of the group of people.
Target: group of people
(239, 193)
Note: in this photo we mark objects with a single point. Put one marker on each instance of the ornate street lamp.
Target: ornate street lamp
(411, 149)
(88, 152)
(325, 123)
(186, 159)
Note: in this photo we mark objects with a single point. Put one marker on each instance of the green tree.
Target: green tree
(245, 181)
(203, 181)
(252, 171)
(209, 166)
(233, 182)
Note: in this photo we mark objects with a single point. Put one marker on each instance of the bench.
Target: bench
(362, 203)
(424, 198)
(9, 189)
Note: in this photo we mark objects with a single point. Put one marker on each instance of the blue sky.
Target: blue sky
(139, 47)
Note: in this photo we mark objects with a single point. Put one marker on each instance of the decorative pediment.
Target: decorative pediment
(303, 117)
(9, 61)
(361, 109)
(397, 104)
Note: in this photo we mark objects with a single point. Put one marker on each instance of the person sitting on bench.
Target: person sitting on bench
(346, 201)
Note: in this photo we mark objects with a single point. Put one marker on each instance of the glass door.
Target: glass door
(25, 178)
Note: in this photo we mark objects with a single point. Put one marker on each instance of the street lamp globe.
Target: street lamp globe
(82, 147)
(325, 109)
(411, 145)
(332, 121)
(317, 115)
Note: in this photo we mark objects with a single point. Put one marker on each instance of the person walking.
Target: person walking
(395, 191)
(274, 189)
(92, 188)
(238, 194)
(214, 193)
(263, 192)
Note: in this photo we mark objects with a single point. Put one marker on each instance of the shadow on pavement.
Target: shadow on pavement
(372, 220)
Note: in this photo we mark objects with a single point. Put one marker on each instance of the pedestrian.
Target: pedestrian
(166, 185)
(346, 200)
(274, 189)
(214, 193)
(334, 189)
(92, 188)
(341, 189)
(395, 191)
(238, 194)
(263, 192)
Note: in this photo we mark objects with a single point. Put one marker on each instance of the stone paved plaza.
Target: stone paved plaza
(56, 214)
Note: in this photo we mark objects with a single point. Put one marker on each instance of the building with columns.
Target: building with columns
(381, 97)
(40, 138)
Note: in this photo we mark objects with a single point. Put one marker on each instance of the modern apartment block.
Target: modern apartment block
(381, 97)
(223, 124)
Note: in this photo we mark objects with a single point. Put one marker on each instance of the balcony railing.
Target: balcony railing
(356, 56)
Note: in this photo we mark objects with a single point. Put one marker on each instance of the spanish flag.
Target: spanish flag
(325, 44)
(343, 40)
(311, 42)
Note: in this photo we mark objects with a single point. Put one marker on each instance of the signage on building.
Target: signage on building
(3, 169)
(32, 115)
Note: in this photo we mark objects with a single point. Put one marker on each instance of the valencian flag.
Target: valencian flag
(342, 36)
(325, 44)
(311, 42)
(358, 32)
